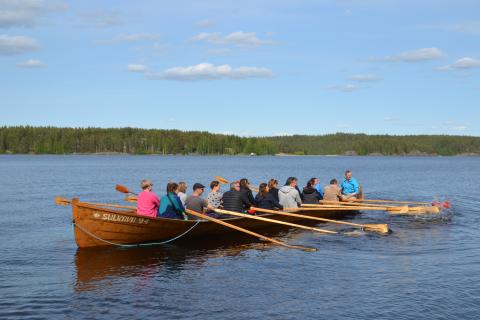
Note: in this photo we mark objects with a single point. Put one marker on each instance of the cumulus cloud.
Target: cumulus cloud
(25, 13)
(31, 64)
(205, 23)
(349, 87)
(11, 45)
(462, 64)
(140, 68)
(364, 78)
(238, 38)
(207, 71)
(418, 55)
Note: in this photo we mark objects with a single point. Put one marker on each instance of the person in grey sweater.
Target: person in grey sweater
(288, 195)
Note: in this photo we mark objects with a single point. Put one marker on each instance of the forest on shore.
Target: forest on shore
(56, 140)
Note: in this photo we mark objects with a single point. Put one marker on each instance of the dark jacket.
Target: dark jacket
(274, 193)
(311, 196)
(268, 202)
(236, 201)
(248, 193)
(299, 192)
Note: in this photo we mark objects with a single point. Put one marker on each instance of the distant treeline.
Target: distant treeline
(53, 140)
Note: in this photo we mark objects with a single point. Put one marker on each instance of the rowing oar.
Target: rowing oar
(123, 189)
(381, 228)
(229, 225)
(222, 180)
(393, 209)
(248, 216)
(64, 202)
(444, 204)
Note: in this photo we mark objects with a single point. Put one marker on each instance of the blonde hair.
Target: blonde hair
(145, 184)
(182, 186)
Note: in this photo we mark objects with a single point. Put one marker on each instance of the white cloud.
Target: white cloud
(100, 19)
(238, 38)
(418, 55)
(25, 13)
(205, 23)
(462, 64)
(349, 87)
(11, 45)
(207, 71)
(140, 68)
(31, 64)
(364, 78)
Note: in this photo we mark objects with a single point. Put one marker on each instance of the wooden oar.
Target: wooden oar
(394, 209)
(248, 216)
(123, 189)
(391, 201)
(381, 228)
(229, 225)
(64, 202)
(222, 180)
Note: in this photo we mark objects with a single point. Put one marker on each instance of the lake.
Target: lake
(427, 268)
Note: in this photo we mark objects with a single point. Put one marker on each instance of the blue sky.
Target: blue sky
(243, 67)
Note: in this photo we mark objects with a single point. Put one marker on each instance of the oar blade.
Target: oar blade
(62, 201)
(379, 227)
(121, 188)
(222, 180)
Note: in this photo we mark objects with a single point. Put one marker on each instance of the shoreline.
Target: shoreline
(243, 155)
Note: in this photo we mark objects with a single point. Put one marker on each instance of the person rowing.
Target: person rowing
(245, 189)
(234, 200)
(182, 192)
(170, 204)
(310, 193)
(196, 203)
(350, 188)
(265, 200)
(332, 192)
(288, 195)
(273, 188)
(214, 198)
(147, 201)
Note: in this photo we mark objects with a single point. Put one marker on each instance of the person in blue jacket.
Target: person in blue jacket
(171, 205)
(350, 187)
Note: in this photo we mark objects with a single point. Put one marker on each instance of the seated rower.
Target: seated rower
(332, 191)
(170, 204)
(214, 198)
(147, 201)
(234, 200)
(288, 195)
(181, 193)
(318, 186)
(310, 193)
(349, 187)
(195, 202)
(273, 188)
(265, 200)
(245, 189)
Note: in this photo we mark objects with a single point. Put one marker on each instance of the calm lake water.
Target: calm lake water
(428, 268)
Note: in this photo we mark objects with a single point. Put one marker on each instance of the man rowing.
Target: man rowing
(332, 191)
(350, 188)
(234, 200)
(195, 202)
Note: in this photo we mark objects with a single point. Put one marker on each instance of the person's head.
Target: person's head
(315, 182)
(263, 189)
(215, 186)
(235, 186)
(244, 183)
(182, 187)
(311, 183)
(198, 189)
(292, 182)
(172, 187)
(146, 184)
(333, 181)
(272, 184)
(348, 174)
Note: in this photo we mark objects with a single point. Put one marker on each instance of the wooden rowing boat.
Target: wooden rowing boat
(98, 225)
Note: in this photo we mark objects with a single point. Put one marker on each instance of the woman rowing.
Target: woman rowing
(265, 200)
(310, 193)
(273, 188)
(147, 201)
(170, 204)
(245, 189)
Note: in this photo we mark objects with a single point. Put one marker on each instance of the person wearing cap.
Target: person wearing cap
(195, 202)
(147, 201)
(234, 200)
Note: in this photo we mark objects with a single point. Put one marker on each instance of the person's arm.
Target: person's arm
(275, 202)
(355, 186)
(207, 205)
(298, 198)
(246, 201)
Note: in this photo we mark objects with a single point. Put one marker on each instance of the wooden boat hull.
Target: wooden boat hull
(100, 226)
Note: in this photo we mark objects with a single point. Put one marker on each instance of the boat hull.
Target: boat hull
(100, 226)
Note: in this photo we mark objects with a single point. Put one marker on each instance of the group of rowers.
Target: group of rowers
(240, 197)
